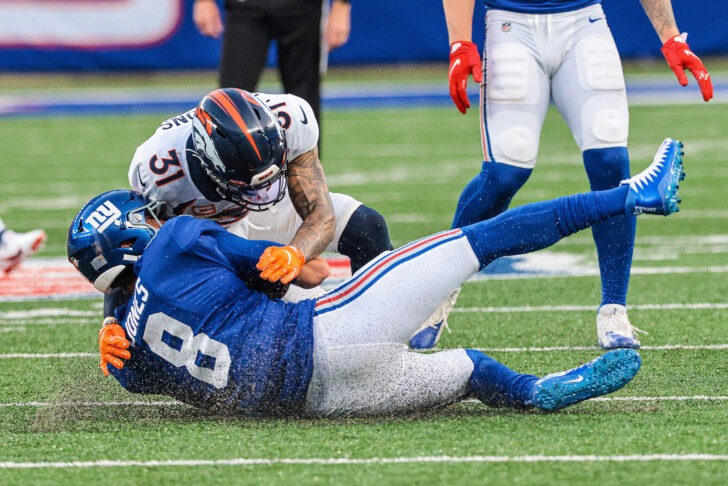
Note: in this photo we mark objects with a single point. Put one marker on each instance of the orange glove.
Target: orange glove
(679, 57)
(280, 263)
(113, 345)
(464, 60)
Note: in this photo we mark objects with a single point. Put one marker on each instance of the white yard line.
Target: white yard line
(333, 461)
(665, 347)
(47, 355)
(47, 312)
(593, 308)
(172, 403)
(131, 403)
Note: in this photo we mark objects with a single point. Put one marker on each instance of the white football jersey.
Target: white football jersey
(159, 168)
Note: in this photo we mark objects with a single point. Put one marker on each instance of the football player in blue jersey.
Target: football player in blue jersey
(537, 50)
(201, 325)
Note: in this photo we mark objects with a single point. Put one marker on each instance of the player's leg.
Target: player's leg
(514, 98)
(244, 46)
(385, 379)
(298, 31)
(363, 236)
(15, 247)
(360, 364)
(392, 294)
(589, 91)
(513, 102)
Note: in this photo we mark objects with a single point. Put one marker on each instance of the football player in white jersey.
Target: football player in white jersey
(249, 162)
(537, 50)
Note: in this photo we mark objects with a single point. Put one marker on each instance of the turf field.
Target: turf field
(670, 425)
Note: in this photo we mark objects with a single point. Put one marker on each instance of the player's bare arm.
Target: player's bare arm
(310, 196)
(675, 47)
(459, 18)
(662, 17)
(464, 56)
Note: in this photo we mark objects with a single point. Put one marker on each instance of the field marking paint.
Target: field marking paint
(47, 355)
(47, 312)
(664, 347)
(333, 461)
(593, 308)
(131, 403)
(172, 403)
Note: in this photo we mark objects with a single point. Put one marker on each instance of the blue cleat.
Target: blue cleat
(654, 190)
(429, 334)
(606, 374)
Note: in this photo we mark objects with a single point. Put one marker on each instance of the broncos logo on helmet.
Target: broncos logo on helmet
(241, 147)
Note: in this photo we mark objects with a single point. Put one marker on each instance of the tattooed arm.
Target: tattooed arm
(662, 17)
(310, 196)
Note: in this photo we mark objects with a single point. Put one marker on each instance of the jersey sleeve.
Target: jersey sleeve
(296, 117)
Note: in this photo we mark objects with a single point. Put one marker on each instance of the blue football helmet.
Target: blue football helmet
(241, 147)
(109, 235)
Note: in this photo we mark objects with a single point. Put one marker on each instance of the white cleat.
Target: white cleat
(429, 334)
(15, 247)
(614, 329)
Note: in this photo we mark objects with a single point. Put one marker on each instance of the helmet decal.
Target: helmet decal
(204, 143)
(104, 216)
(222, 100)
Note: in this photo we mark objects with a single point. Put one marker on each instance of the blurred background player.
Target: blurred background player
(16, 247)
(536, 51)
(296, 25)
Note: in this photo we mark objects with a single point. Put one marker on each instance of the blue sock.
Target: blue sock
(536, 226)
(614, 239)
(489, 193)
(497, 385)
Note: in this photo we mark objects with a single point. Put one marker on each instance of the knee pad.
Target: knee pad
(604, 122)
(519, 144)
(610, 126)
(606, 168)
(365, 236)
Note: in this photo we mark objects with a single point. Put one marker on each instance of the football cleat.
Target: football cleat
(429, 334)
(606, 374)
(16, 247)
(654, 190)
(614, 329)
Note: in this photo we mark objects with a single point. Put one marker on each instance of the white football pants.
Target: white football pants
(529, 59)
(362, 365)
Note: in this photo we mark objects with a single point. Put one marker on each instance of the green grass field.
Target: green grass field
(410, 164)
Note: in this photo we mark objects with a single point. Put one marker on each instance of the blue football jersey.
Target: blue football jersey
(539, 6)
(200, 334)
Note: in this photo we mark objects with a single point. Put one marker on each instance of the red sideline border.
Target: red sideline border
(56, 279)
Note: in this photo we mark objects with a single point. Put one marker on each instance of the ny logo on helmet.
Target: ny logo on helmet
(103, 216)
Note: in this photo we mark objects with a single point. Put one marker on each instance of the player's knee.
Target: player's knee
(607, 167)
(610, 126)
(503, 180)
(364, 237)
(518, 145)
